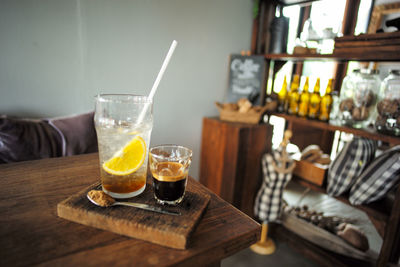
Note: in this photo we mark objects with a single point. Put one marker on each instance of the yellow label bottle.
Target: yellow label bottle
(315, 101)
(326, 102)
(293, 96)
(304, 100)
(282, 96)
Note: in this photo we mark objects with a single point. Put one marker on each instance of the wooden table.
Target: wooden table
(32, 233)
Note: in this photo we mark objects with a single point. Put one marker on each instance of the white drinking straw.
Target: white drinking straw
(157, 81)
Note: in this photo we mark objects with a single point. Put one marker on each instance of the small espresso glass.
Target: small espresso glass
(169, 166)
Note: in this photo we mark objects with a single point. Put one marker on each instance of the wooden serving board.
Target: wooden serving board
(163, 229)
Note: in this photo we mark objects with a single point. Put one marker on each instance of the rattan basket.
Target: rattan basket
(251, 117)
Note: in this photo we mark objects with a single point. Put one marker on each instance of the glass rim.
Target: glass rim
(123, 98)
(190, 152)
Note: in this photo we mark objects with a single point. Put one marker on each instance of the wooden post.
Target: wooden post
(348, 27)
(260, 31)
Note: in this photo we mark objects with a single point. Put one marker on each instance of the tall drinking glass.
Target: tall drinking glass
(123, 142)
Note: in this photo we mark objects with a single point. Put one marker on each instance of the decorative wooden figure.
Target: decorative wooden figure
(277, 169)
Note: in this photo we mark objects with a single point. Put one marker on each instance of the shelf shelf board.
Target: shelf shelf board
(379, 210)
(291, 57)
(341, 57)
(367, 133)
(312, 251)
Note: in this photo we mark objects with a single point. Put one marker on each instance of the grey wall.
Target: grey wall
(55, 55)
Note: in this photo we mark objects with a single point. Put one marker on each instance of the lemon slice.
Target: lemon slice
(127, 160)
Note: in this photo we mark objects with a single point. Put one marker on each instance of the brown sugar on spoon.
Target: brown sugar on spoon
(101, 198)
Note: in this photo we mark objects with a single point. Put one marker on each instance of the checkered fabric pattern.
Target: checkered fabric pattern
(349, 164)
(268, 202)
(378, 178)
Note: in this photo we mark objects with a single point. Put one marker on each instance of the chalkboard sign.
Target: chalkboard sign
(246, 75)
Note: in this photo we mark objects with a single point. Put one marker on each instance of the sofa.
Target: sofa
(29, 139)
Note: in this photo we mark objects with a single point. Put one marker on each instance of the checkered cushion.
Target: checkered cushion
(349, 164)
(268, 202)
(378, 178)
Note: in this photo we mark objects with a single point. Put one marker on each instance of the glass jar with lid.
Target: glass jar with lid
(358, 98)
(388, 106)
(346, 103)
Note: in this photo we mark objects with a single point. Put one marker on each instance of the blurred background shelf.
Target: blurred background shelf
(371, 48)
(367, 133)
(350, 55)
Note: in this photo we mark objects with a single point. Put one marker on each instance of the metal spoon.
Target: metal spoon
(136, 205)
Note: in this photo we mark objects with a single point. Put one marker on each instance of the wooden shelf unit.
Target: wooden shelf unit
(382, 47)
(385, 214)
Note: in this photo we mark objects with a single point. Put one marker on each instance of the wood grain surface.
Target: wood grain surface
(31, 233)
(163, 229)
(231, 160)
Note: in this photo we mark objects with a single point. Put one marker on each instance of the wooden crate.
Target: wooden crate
(251, 117)
(230, 162)
(311, 172)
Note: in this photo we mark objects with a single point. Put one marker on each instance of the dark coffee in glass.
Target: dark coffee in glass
(169, 167)
(169, 182)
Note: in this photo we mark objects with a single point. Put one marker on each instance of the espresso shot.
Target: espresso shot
(169, 166)
(170, 182)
